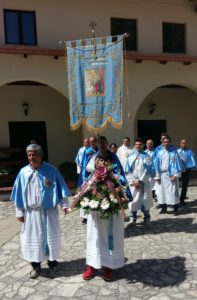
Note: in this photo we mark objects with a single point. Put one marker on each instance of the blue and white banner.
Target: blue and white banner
(95, 79)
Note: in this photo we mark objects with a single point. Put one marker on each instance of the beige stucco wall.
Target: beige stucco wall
(140, 80)
(45, 104)
(68, 20)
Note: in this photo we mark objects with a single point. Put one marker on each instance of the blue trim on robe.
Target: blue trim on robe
(79, 156)
(187, 158)
(53, 186)
(174, 166)
(88, 153)
(147, 162)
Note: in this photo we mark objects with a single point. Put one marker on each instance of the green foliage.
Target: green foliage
(99, 197)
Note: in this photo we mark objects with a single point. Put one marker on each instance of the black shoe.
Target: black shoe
(35, 272)
(163, 211)
(53, 268)
(147, 220)
(159, 206)
(176, 212)
(53, 271)
(84, 221)
(182, 202)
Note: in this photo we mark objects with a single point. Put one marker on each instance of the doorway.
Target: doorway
(21, 133)
(151, 129)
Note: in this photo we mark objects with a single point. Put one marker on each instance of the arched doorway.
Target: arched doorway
(173, 106)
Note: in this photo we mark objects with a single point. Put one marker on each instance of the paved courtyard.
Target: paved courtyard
(160, 260)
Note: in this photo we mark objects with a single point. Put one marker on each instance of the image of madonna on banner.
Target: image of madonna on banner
(95, 75)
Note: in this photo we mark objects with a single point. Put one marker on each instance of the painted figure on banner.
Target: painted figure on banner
(95, 82)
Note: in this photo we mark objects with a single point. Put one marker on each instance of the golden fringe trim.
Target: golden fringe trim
(96, 130)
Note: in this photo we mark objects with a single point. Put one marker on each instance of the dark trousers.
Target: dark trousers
(185, 176)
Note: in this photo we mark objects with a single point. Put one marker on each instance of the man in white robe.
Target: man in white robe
(98, 253)
(80, 153)
(124, 151)
(138, 170)
(87, 154)
(168, 170)
(37, 191)
(150, 151)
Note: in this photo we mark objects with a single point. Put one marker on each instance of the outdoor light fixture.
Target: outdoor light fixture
(152, 107)
(25, 108)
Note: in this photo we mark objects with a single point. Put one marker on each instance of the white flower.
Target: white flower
(105, 204)
(84, 202)
(114, 200)
(93, 204)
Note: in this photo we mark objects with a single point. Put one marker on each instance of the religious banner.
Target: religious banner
(95, 72)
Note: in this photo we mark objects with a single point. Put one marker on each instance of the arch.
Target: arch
(173, 103)
(145, 93)
(46, 83)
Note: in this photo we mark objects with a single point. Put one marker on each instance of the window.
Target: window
(20, 27)
(173, 38)
(120, 26)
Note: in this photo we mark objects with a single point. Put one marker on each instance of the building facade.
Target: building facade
(160, 68)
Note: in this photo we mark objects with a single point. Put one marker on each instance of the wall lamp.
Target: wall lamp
(152, 107)
(25, 108)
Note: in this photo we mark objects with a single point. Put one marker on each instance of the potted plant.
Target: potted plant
(69, 172)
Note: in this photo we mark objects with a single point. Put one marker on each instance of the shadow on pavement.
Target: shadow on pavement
(67, 268)
(154, 272)
(161, 226)
(189, 208)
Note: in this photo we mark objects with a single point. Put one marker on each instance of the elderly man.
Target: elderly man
(37, 191)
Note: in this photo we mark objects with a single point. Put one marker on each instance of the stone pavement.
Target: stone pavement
(160, 260)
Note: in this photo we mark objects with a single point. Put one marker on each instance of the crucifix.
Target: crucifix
(93, 26)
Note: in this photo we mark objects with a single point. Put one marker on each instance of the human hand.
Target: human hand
(173, 178)
(136, 184)
(66, 210)
(20, 219)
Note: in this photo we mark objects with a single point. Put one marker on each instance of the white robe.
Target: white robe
(98, 253)
(142, 195)
(151, 178)
(123, 153)
(40, 226)
(167, 191)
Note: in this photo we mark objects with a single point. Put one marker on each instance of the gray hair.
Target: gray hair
(35, 147)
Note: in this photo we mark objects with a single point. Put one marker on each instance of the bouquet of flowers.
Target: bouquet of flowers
(102, 193)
